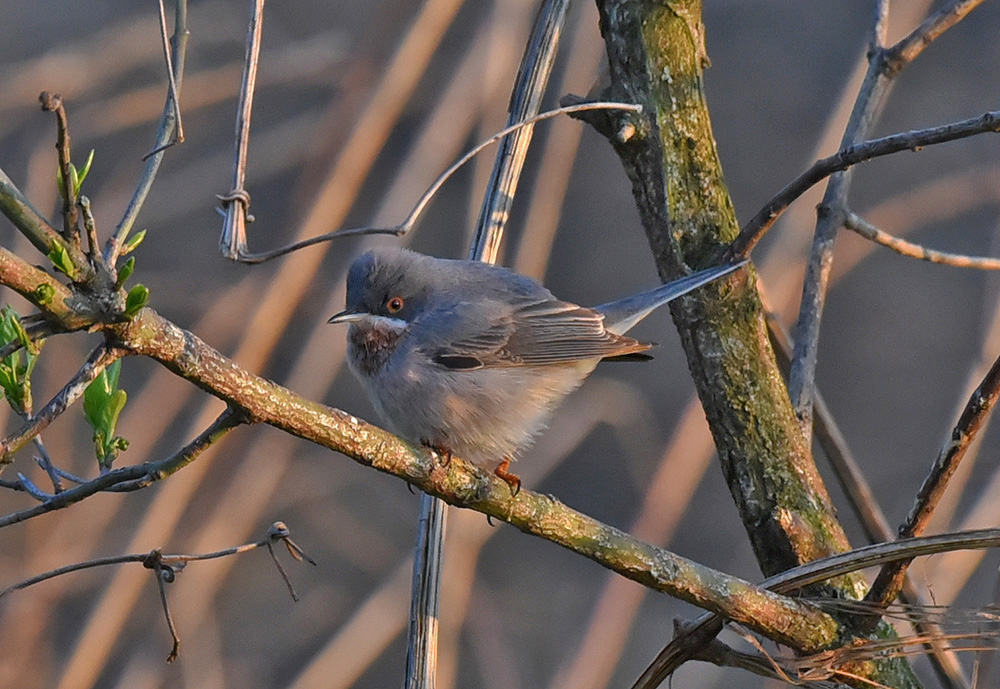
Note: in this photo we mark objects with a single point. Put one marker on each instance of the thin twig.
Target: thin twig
(90, 227)
(98, 360)
(164, 574)
(31, 489)
(167, 128)
(830, 214)
(862, 500)
(165, 568)
(972, 419)
(280, 532)
(132, 478)
(44, 461)
(914, 140)
(857, 224)
(907, 49)
(52, 102)
(277, 531)
(236, 202)
(411, 219)
(880, 28)
(178, 134)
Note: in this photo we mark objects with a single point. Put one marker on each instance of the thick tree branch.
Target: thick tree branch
(459, 483)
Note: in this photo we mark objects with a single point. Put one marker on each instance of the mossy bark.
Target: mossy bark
(657, 57)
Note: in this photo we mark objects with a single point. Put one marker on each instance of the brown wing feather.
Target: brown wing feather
(539, 333)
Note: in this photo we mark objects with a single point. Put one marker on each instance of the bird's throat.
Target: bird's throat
(371, 345)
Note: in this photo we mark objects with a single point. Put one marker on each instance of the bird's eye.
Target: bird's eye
(394, 304)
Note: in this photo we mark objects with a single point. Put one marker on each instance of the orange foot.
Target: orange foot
(513, 480)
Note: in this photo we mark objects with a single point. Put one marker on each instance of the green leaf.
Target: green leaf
(102, 405)
(125, 272)
(16, 368)
(133, 242)
(135, 300)
(74, 179)
(61, 260)
(83, 173)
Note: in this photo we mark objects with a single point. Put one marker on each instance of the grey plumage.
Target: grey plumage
(470, 358)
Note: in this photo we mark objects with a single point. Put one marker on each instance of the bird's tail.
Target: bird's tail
(621, 315)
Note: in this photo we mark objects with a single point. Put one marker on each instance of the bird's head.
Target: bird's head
(386, 287)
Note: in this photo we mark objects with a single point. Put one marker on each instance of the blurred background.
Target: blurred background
(359, 106)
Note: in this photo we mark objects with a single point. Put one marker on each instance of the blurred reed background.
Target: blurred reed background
(360, 105)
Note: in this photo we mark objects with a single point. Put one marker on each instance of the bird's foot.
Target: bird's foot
(443, 454)
(512, 480)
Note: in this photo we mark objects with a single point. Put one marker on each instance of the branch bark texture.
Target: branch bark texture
(657, 56)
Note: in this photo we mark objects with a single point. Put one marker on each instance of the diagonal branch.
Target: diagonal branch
(976, 411)
(755, 229)
(168, 126)
(856, 223)
(138, 476)
(99, 359)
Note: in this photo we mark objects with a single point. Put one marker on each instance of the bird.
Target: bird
(470, 359)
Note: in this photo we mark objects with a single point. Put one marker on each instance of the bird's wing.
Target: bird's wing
(529, 332)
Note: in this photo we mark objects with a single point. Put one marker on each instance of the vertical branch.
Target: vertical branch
(236, 202)
(532, 79)
(831, 214)
(52, 102)
(884, 64)
(656, 57)
(165, 134)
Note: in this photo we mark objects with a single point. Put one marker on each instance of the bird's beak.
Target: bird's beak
(347, 316)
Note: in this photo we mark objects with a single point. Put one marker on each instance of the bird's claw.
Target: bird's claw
(511, 479)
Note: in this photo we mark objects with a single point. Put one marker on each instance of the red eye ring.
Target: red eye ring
(394, 305)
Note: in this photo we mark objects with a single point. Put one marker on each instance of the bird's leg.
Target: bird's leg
(513, 480)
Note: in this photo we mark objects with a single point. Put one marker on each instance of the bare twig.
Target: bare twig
(914, 140)
(174, 93)
(411, 219)
(90, 227)
(236, 202)
(866, 508)
(280, 532)
(164, 574)
(168, 126)
(135, 477)
(45, 462)
(980, 404)
(857, 224)
(52, 102)
(830, 214)
(98, 360)
(277, 531)
(906, 50)
(165, 568)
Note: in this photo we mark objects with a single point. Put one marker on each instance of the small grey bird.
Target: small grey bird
(469, 358)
